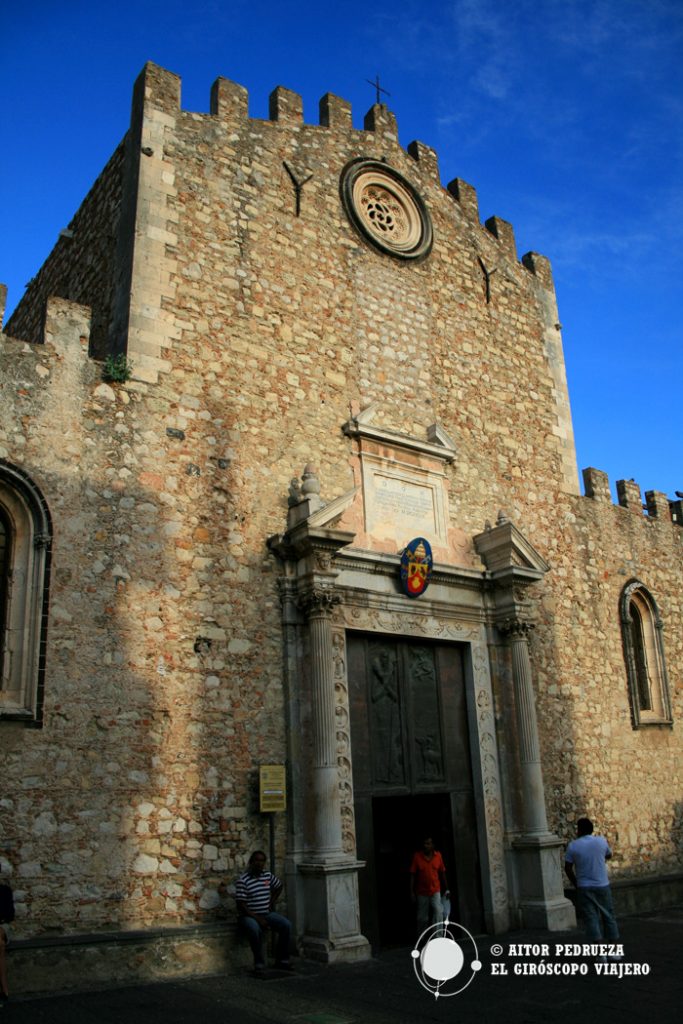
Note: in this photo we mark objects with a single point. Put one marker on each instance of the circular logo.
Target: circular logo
(416, 567)
(386, 209)
(445, 959)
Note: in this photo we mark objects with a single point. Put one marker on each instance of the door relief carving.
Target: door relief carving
(385, 716)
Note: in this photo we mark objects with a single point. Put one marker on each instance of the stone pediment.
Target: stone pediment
(333, 510)
(404, 488)
(401, 491)
(505, 550)
(436, 445)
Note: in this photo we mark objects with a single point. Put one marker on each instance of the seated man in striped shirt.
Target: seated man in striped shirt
(256, 893)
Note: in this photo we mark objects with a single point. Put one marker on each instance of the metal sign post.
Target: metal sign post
(272, 798)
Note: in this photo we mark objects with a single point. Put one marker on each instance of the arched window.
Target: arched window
(25, 542)
(641, 629)
(5, 563)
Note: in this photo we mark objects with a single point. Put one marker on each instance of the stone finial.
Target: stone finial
(310, 482)
(502, 519)
(3, 303)
(295, 495)
(303, 499)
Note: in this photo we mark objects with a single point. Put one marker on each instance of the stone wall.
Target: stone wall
(595, 762)
(137, 796)
(81, 267)
(297, 312)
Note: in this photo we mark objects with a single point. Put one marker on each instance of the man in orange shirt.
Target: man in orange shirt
(427, 883)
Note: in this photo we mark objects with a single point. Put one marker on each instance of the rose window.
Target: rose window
(386, 209)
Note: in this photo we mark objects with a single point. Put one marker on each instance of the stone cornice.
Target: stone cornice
(425, 609)
(438, 446)
(306, 540)
(379, 563)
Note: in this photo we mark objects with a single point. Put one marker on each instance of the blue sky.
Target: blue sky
(566, 116)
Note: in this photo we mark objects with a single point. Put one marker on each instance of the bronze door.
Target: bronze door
(412, 776)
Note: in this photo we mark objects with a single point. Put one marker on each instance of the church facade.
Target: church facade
(323, 513)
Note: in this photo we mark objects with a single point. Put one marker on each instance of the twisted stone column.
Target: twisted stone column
(534, 820)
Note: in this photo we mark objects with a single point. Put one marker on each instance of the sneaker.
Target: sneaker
(283, 965)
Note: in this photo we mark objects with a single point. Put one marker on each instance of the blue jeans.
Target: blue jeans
(429, 911)
(597, 911)
(256, 936)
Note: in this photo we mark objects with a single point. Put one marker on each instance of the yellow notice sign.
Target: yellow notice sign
(272, 787)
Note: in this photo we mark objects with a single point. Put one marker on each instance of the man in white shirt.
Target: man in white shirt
(585, 865)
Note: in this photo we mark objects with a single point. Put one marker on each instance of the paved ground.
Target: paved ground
(386, 990)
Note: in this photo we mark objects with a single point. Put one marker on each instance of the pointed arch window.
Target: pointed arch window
(25, 544)
(5, 563)
(642, 629)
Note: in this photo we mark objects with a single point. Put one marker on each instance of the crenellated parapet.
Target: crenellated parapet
(657, 505)
(229, 104)
(226, 233)
(65, 331)
(99, 261)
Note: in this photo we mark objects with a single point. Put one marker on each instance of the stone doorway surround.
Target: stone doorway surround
(340, 574)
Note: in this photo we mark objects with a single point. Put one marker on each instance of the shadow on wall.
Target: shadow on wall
(133, 801)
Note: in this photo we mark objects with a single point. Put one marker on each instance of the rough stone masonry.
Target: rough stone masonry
(287, 295)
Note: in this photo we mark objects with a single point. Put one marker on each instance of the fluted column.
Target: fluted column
(534, 820)
(317, 603)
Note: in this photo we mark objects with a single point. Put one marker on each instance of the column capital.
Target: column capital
(515, 628)
(318, 599)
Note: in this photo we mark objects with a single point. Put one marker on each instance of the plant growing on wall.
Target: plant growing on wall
(117, 368)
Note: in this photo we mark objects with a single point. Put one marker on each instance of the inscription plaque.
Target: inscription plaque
(400, 502)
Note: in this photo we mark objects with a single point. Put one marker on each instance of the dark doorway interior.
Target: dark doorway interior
(400, 823)
(412, 775)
